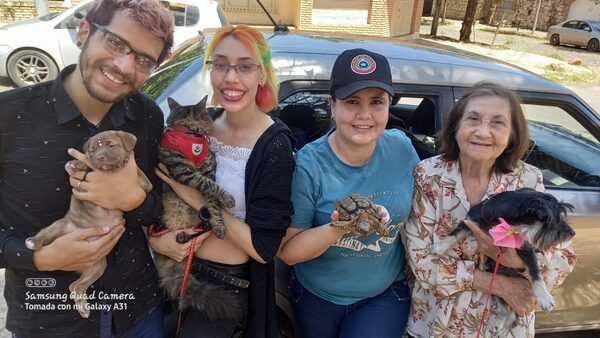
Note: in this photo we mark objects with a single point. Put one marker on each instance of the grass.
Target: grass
(555, 56)
(569, 77)
(522, 32)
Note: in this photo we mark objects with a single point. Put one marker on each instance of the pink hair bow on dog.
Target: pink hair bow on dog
(505, 235)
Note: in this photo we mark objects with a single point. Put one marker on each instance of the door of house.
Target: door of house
(401, 17)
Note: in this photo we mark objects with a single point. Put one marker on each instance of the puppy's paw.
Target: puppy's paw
(31, 244)
(83, 309)
(76, 165)
(542, 296)
(440, 247)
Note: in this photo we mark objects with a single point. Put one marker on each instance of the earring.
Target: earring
(78, 43)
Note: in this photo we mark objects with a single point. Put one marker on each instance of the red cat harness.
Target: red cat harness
(181, 138)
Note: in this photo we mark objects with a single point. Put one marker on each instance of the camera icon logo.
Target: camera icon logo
(40, 282)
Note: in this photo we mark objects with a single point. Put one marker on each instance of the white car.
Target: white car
(583, 33)
(35, 50)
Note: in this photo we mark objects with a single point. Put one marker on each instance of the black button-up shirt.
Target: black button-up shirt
(37, 126)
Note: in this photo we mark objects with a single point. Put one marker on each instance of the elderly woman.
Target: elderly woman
(481, 146)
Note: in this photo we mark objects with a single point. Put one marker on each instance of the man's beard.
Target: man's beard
(85, 66)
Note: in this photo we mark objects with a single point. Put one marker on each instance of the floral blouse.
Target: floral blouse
(444, 302)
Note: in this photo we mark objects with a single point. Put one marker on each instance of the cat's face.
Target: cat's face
(195, 117)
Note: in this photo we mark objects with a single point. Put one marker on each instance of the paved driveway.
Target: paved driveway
(5, 84)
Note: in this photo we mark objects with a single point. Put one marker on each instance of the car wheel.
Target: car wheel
(593, 45)
(555, 39)
(28, 66)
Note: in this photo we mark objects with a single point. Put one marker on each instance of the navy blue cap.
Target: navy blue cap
(357, 69)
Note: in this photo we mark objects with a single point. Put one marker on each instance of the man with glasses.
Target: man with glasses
(122, 42)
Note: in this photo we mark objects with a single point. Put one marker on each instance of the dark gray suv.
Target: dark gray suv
(565, 133)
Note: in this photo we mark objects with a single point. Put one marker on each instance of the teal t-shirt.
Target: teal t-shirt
(355, 267)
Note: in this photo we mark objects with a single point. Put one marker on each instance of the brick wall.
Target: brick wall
(26, 9)
(378, 22)
(455, 9)
(551, 13)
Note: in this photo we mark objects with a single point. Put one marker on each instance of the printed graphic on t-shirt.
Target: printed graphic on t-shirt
(375, 244)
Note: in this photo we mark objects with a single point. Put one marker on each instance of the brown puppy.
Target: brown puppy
(106, 151)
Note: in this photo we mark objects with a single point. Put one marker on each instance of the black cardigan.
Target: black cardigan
(268, 183)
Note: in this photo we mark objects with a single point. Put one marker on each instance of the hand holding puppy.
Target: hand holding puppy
(510, 259)
(517, 292)
(109, 189)
(73, 251)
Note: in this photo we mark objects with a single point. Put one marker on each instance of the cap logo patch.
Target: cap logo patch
(363, 64)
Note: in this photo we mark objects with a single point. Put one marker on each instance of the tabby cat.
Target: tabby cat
(192, 123)
(185, 126)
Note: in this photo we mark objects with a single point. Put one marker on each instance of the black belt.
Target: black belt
(202, 269)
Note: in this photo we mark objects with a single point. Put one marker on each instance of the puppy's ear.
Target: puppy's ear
(566, 207)
(128, 140)
(86, 145)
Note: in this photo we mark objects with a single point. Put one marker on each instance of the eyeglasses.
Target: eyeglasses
(223, 68)
(475, 121)
(118, 47)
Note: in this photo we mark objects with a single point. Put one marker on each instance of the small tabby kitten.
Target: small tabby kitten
(192, 121)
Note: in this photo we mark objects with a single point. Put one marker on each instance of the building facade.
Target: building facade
(396, 18)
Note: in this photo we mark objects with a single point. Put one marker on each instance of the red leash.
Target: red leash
(186, 273)
(485, 309)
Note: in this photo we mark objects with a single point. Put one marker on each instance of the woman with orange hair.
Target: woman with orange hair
(254, 164)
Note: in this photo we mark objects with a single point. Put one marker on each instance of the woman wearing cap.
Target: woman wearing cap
(346, 285)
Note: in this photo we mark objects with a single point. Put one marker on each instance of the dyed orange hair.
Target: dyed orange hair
(267, 94)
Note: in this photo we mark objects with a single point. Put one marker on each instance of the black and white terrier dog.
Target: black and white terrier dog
(539, 216)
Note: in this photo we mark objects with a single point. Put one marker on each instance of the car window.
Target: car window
(185, 15)
(415, 115)
(168, 72)
(72, 21)
(570, 24)
(192, 16)
(308, 115)
(566, 152)
(584, 26)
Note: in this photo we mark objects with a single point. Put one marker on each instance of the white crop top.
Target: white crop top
(231, 173)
